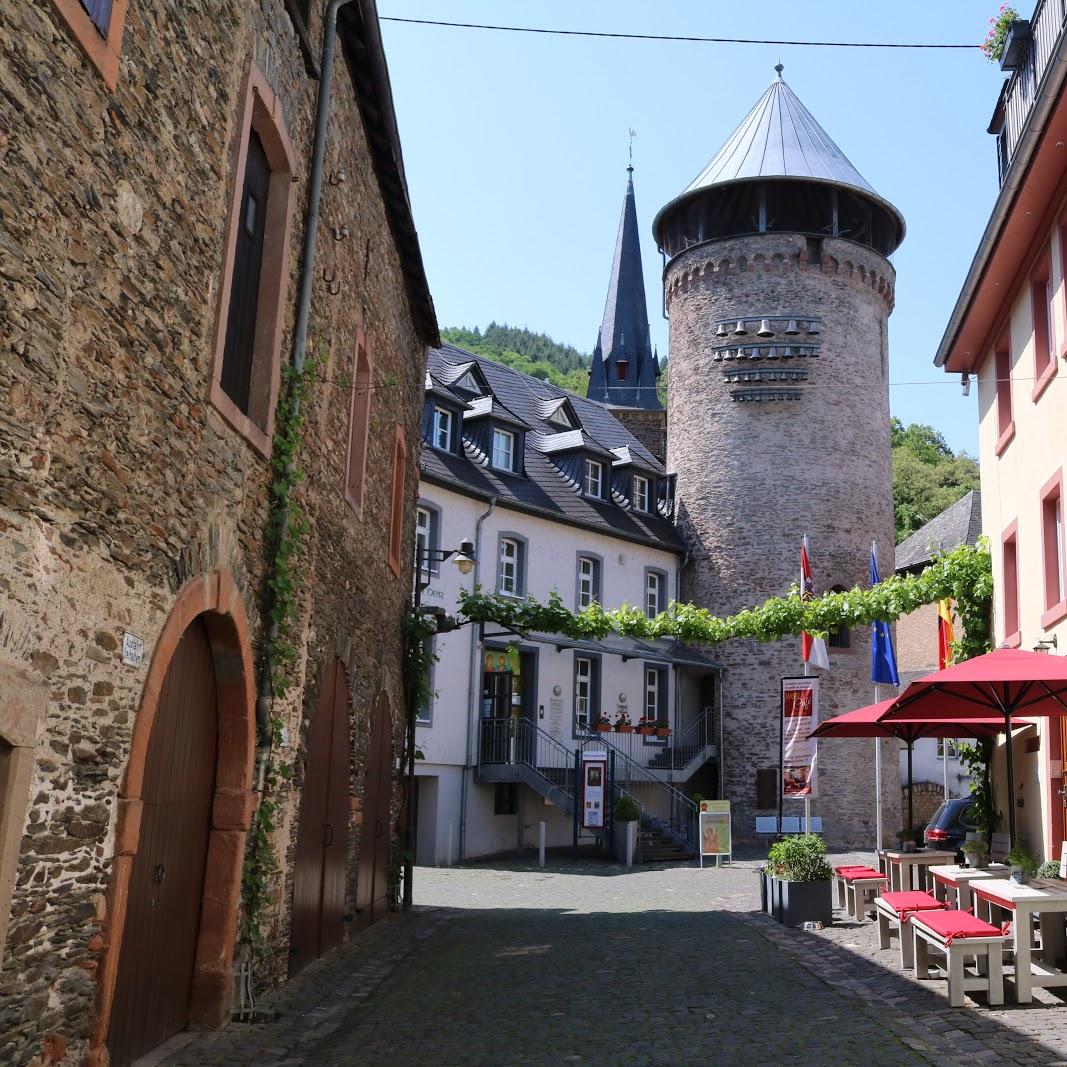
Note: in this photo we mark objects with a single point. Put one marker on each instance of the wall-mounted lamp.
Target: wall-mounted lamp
(965, 381)
(1046, 643)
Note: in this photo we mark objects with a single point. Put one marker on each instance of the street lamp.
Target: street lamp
(464, 559)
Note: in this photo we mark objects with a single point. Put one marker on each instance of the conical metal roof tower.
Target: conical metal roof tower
(625, 368)
(779, 170)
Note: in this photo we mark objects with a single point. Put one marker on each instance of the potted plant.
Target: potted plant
(601, 725)
(1048, 869)
(976, 853)
(622, 723)
(663, 728)
(802, 880)
(1021, 862)
(1008, 39)
(627, 816)
(646, 726)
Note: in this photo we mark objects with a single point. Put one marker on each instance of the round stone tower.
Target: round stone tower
(778, 291)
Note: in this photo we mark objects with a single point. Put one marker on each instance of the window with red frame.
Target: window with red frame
(1002, 369)
(1052, 542)
(1040, 303)
(396, 507)
(1010, 561)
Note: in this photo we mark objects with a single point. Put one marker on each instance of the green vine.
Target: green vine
(286, 528)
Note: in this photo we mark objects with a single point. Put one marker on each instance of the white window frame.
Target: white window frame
(442, 426)
(423, 536)
(587, 581)
(510, 567)
(942, 744)
(500, 436)
(652, 694)
(594, 466)
(653, 593)
(642, 495)
(583, 691)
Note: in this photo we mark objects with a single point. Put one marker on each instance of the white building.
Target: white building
(557, 498)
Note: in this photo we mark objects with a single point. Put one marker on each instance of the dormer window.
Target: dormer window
(504, 450)
(641, 492)
(468, 383)
(622, 371)
(442, 429)
(594, 478)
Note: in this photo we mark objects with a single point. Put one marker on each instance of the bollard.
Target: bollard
(449, 854)
(541, 843)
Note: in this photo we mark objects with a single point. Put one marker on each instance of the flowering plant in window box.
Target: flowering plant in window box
(662, 728)
(646, 726)
(623, 724)
(601, 725)
(1005, 24)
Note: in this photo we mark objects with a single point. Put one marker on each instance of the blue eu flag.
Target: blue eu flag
(883, 659)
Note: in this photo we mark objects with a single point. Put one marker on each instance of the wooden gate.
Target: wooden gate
(319, 879)
(372, 887)
(167, 880)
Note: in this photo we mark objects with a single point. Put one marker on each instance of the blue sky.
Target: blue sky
(515, 147)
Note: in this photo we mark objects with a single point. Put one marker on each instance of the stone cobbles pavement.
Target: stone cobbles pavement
(505, 963)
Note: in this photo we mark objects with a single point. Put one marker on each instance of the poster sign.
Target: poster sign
(800, 715)
(714, 828)
(132, 650)
(594, 789)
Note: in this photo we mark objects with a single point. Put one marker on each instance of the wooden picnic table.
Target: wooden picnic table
(901, 866)
(1046, 899)
(952, 882)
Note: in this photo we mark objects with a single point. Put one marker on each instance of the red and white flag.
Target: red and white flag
(812, 649)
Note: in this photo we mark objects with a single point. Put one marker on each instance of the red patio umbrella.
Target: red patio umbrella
(872, 721)
(1004, 683)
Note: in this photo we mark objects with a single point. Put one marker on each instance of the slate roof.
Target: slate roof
(959, 524)
(543, 490)
(624, 331)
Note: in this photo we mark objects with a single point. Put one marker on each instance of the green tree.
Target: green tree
(523, 350)
(927, 475)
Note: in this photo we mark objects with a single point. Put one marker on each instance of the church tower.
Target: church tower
(625, 368)
(778, 289)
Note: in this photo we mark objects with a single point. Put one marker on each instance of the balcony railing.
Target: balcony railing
(1046, 27)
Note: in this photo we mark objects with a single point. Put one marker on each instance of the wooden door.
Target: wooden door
(320, 865)
(372, 888)
(167, 881)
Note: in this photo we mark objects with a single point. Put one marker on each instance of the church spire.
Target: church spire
(624, 370)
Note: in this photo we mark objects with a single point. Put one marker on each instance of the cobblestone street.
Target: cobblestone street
(509, 964)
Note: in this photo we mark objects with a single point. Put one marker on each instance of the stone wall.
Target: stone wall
(649, 427)
(755, 477)
(120, 482)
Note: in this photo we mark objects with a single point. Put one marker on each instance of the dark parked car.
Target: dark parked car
(951, 824)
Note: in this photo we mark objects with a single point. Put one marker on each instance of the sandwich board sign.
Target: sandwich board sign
(715, 837)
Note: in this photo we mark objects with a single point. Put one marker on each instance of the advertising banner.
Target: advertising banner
(714, 829)
(800, 715)
(594, 789)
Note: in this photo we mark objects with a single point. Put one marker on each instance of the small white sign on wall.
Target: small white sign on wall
(132, 650)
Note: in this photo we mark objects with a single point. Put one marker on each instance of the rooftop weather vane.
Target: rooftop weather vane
(633, 134)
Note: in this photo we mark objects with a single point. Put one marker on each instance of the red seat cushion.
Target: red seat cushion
(858, 872)
(851, 867)
(912, 900)
(953, 925)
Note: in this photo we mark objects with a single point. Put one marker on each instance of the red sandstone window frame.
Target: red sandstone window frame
(102, 52)
(1053, 558)
(1041, 320)
(396, 503)
(1002, 387)
(359, 413)
(261, 112)
(1009, 557)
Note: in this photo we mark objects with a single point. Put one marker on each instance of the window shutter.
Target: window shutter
(520, 568)
(99, 12)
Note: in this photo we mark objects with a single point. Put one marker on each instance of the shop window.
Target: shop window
(358, 426)
(254, 269)
(97, 26)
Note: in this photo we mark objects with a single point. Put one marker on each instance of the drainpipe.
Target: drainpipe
(265, 692)
(474, 710)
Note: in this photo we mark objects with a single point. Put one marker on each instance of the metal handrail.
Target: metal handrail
(517, 740)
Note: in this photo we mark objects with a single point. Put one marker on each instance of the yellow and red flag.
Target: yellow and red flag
(945, 634)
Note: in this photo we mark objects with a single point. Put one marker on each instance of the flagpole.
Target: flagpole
(877, 782)
(807, 672)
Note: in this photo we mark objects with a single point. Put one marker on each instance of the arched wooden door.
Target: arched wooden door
(372, 888)
(319, 879)
(166, 886)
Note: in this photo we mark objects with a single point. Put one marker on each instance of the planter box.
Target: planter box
(625, 729)
(663, 733)
(602, 728)
(801, 902)
(645, 730)
(1016, 45)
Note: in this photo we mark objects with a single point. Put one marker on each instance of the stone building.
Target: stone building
(778, 290)
(156, 177)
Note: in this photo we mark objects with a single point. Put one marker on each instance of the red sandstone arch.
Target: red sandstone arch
(215, 600)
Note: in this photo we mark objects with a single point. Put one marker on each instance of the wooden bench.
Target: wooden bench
(856, 887)
(957, 934)
(894, 912)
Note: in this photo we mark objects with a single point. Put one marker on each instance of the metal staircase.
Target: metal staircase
(517, 750)
(688, 751)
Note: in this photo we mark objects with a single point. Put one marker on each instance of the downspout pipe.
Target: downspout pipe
(473, 709)
(297, 358)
